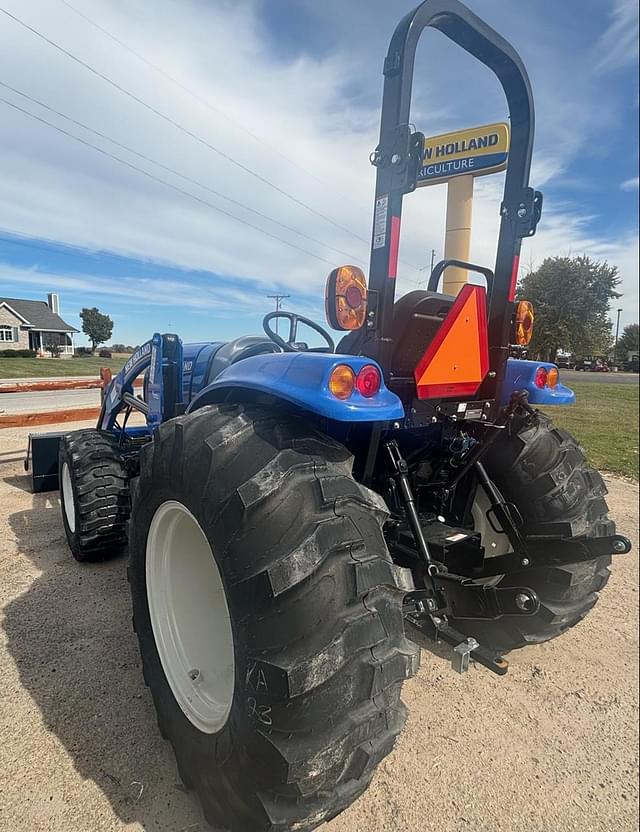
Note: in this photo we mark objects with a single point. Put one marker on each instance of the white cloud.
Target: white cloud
(618, 44)
(52, 187)
(630, 184)
(147, 291)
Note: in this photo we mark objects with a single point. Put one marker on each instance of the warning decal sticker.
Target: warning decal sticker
(380, 222)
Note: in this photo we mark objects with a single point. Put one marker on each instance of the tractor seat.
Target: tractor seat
(417, 316)
(233, 351)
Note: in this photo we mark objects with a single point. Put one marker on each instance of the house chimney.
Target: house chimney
(54, 303)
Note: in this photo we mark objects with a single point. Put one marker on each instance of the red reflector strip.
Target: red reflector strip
(514, 278)
(394, 247)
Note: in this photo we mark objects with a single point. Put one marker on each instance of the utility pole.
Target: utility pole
(278, 299)
(433, 259)
(615, 348)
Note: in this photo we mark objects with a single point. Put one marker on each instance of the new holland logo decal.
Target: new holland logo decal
(476, 151)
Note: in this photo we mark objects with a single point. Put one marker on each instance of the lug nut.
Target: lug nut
(619, 546)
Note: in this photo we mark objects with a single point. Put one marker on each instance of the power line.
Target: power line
(162, 181)
(175, 172)
(179, 126)
(20, 239)
(204, 102)
(278, 299)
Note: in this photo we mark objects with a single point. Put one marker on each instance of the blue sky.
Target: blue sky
(291, 90)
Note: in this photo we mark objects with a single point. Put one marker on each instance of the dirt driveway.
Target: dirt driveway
(552, 747)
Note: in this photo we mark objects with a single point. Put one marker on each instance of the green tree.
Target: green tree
(53, 346)
(96, 326)
(571, 298)
(629, 340)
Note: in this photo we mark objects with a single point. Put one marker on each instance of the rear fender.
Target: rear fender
(520, 375)
(302, 379)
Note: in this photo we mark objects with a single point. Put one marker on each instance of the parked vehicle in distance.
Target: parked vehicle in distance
(564, 360)
(105, 354)
(592, 364)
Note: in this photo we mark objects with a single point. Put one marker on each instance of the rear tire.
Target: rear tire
(315, 606)
(94, 494)
(544, 472)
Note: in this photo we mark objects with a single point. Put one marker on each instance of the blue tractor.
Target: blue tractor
(288, 510)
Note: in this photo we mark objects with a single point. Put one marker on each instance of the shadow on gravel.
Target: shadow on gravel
(71, 637)
(21, 482)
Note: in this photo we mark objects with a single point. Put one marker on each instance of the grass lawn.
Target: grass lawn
(605, 421)
(47, 367)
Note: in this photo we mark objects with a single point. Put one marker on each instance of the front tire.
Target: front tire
(94, 494)
(314, 608)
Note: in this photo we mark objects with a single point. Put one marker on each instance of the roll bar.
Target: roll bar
(397, 158)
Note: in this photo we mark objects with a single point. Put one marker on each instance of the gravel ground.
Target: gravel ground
(551, 747)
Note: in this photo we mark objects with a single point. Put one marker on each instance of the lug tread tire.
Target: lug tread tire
(316, 605)
(543, 471)
(100, 485)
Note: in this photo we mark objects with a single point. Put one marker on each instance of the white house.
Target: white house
(34, 325)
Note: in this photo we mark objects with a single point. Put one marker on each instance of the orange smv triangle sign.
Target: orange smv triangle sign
(457, 360)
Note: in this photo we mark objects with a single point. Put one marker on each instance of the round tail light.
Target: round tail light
(342, 381)
(541, 377)
(368, 381)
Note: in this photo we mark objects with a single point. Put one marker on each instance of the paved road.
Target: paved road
(43, 402)
(568, 376)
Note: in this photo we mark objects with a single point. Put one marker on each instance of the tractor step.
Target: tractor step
(42, 457)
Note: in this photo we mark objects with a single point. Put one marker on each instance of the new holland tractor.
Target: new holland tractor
(288, 510)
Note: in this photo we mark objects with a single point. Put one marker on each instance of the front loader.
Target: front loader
(293, 514)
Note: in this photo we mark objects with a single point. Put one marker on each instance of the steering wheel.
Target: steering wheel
(290, 345)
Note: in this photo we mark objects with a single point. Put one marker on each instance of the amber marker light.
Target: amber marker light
(342, 381)
(553, 377)
(523, 323)
(346, 298)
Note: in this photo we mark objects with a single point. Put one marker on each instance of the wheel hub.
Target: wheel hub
(190, 617)
(67, 498)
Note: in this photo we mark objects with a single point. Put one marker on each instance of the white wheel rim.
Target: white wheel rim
(67, 498)
(190, 617)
